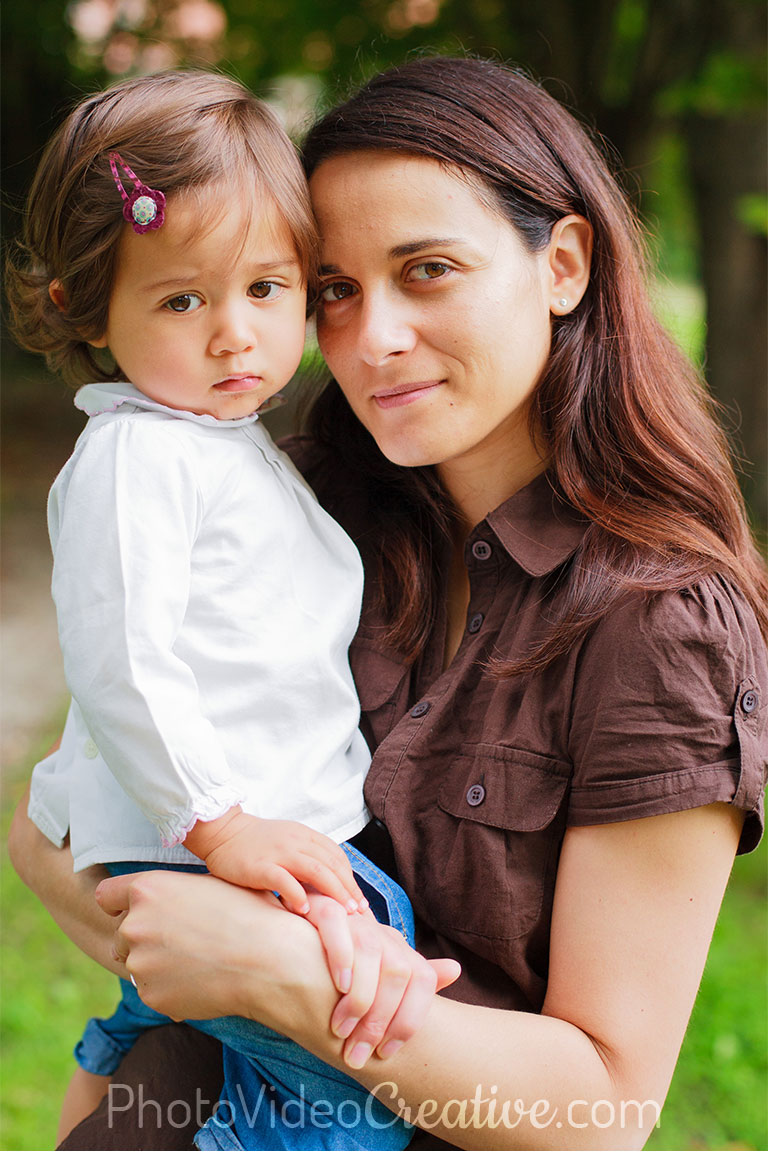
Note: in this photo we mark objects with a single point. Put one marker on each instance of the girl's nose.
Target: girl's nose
(386, 328)
(234, 331)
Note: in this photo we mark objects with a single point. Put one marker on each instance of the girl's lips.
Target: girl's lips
(238, 384)
(405, 393)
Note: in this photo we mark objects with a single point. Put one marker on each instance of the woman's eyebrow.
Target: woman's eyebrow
(400, 250)
(414, 246)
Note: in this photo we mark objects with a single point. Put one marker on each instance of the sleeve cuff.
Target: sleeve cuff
(174, 829)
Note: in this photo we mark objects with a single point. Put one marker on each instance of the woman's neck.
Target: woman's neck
(480, 481)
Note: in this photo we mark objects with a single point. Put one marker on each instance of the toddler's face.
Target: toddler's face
(209, 318)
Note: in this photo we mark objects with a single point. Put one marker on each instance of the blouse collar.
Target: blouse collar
(537, 528)
(108, 396)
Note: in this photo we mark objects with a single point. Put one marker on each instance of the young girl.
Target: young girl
(205, 601)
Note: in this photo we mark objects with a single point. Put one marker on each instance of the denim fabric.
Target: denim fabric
(275, 1095)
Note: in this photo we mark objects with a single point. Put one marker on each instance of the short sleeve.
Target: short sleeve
(669, 710)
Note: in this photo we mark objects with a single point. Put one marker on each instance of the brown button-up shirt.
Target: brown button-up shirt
(662, 707)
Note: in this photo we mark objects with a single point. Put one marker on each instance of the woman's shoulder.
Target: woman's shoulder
(709, 623)
(331, 482)
(305, 452)
(670, 707)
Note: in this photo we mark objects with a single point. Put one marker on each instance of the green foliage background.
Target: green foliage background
(678, 88)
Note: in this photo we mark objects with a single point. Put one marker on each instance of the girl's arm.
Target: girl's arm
(635, 907)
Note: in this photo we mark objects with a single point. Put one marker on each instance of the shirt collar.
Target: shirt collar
(537, 527)
(93, 399)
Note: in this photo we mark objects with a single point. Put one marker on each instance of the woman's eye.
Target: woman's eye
(188, 302)
(429, 270)
(339, 290)
(264, 290)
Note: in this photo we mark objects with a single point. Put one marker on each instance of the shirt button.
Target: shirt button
(475, 622)
(90, 749)
(749, 701)
(475, 795)
(420, 709)
(481, 550)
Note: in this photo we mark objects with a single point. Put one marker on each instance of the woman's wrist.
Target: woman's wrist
(295, 997)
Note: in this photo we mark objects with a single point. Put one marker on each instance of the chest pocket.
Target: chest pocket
(379, 680)
(492, 848)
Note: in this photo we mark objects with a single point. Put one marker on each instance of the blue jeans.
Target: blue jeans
(276, 1095)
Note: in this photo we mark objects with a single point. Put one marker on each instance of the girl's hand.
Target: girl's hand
(275, 855)
(333, 927)
(389, 986)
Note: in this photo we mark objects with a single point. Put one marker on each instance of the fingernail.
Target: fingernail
(364, 904)
(351, 905)
(346, 1028)
(358, 1056)
(344, 982)
(390, 1048)
(304, 909)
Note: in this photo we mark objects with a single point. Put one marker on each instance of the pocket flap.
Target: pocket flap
(377, 676)
(504, 788)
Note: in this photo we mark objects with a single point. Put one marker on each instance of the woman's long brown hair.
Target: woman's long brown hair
(633, 442)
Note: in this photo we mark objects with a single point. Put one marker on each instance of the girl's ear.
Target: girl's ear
(570, 257)
(56, 293)
(58, 296)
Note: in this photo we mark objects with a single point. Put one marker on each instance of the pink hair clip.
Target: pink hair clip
(145, 207)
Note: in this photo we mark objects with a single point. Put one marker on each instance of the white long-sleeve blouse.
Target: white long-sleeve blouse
(205, 604)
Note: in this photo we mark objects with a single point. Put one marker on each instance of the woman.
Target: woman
(560, 659)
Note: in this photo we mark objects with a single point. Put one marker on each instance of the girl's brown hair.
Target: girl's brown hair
(633, 445)
(179, 132)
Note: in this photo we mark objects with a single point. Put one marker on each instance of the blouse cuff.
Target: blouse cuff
(666, 792)
(174, 829)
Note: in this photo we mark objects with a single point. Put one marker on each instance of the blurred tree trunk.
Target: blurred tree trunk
(727, 159)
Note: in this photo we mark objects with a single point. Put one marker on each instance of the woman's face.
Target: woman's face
(434, 318)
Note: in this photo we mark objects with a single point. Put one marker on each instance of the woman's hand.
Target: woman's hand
(192, 943)
(199, 947)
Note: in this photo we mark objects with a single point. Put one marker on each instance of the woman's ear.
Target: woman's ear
(59, 299)
(570, 257)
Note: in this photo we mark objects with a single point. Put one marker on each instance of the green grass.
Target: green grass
(717, 1099)
(49, 991)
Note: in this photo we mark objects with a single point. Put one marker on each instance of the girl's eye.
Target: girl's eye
(339, 290)
(188, 302)
(264, 290)
(429, 270)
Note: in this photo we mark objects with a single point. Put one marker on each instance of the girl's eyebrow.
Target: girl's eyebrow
(256, 270)
(400, 250)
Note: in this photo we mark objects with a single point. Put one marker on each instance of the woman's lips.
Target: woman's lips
(405, 393)
(238, 384)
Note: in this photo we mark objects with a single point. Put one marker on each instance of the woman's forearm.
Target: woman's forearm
(635, 908)
(513, 1080)
(488, 1078)
(67, 895)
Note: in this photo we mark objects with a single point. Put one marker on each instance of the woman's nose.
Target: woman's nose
(233, 330)
(386, 328)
